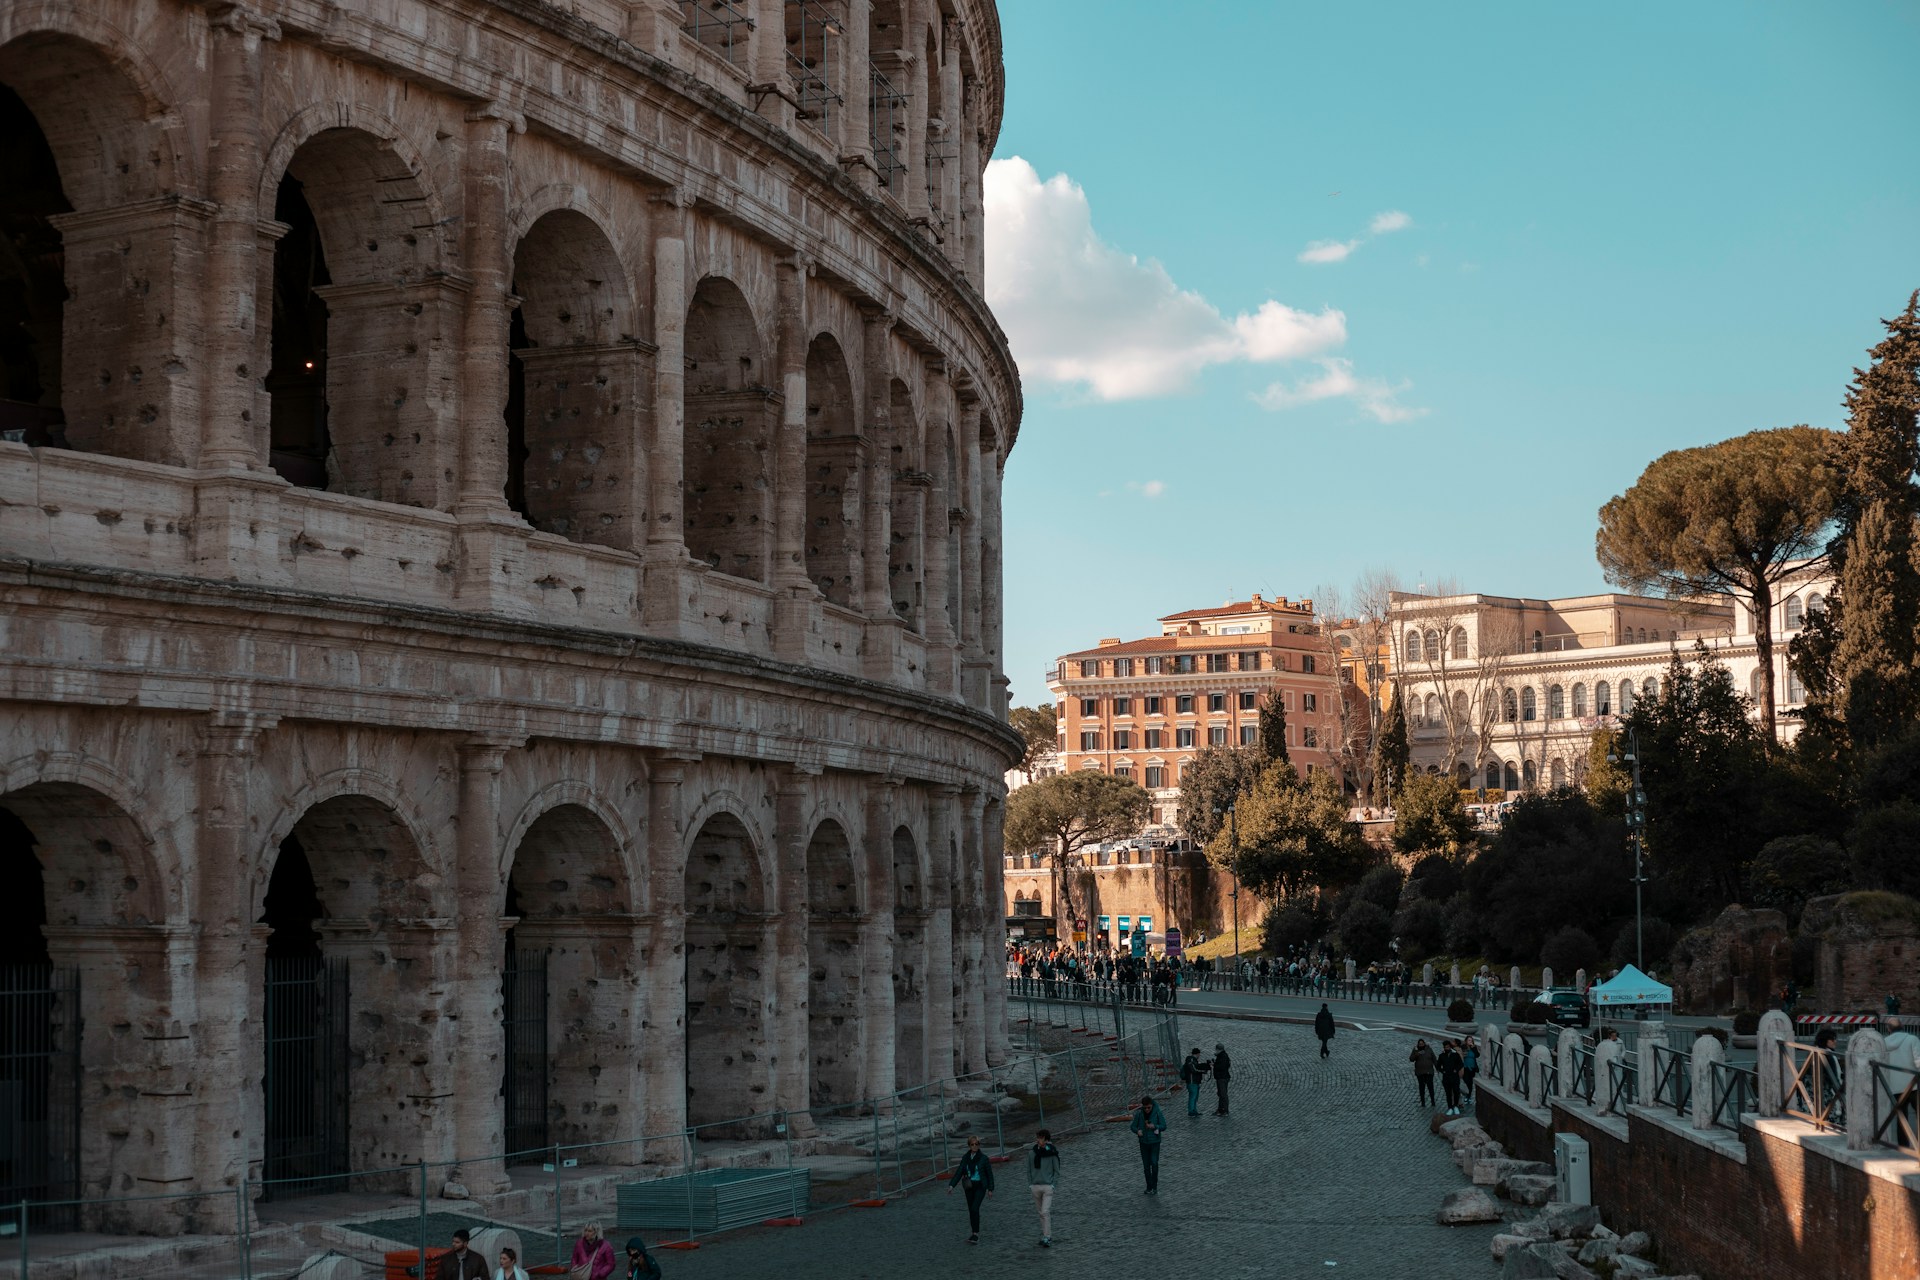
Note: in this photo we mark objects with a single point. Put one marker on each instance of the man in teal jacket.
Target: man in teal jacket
(1149, 1122)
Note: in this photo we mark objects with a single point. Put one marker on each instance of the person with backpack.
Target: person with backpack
(1423, 1061)
(1323, 1027)
(1469, 1066)
(1192, 1072)
(975, 1173)
(1043, 1174)
(1149, 1123)
(1450, 1063)
(1222, 1073)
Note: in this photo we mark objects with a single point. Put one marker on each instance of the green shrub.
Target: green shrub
(1530, 1013)
(1460, 1011)
(1745, 1022)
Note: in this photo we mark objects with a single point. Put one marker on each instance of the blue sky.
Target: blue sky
(1627, 229)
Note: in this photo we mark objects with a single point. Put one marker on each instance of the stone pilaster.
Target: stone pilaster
(791, 969)
(856, 138)
(793, 607)
(663, 599)
(478, 1035)
(992, 618)
(663, 1039)
(940, 932)
(876, 937)
(974, 972)
(994, 863)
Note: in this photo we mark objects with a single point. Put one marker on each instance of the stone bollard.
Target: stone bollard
(1605, 1054)
(1513, 978)
(1770, 1064)
(1707, 1050)
(1866, 1048)
(1456, 975)
(1537, 1076)
(488, 1242)
(1426, 974)
(1651, 1034)
(1351, 967)
(1489, 1043)
(1546, 977)
(1579, 979)
(1569, 1041)
(1515, 1049)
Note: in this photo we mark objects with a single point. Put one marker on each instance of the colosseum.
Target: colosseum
(500, 532)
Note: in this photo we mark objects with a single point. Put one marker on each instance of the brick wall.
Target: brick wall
(1788, 1211)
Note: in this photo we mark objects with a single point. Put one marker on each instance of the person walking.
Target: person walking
(1222, 1073)
(1450, 1064)
(592, 1255)
(641, 1265)
(1192, 1072)
(1469, 1066)
(1422, 1059)
(1323, 1027)
(975, 1173)
(460, 1262)
(1042, 1176)
(1149, 1122)
(509, 1268)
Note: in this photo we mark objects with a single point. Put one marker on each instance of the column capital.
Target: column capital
(497, 109)
(242, 20)
(677, 196)
(487, 754)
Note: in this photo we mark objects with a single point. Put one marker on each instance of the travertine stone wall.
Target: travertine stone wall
(672, 655)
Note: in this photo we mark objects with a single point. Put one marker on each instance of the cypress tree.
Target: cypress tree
(1273, 731)
(1391, 755)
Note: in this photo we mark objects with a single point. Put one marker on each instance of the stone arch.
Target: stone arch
(84, 896)
(568, 905)
(348, 885)
(1512, 776)
(909, 958)
(906, 570)
(834, 968)
(730, 415)
(730, 960)
(833, 468)
(360, 276)
(574, 465)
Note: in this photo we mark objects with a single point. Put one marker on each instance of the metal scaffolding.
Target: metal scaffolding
(721, 25)
(810, 64)
(887, 125)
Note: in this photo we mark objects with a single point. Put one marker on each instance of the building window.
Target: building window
(1154, 739)
(1459, 642)
(1579, 700)
(1123, 666)
(1556, 702)
(1413, 646)
(1309, 736)
(1183, 664)
(1249, 701)
(1493, 775)
(1122, 739)
(1559, 773)
(1183, 769)
(1182, 738)
(1155, 666)
(1279, 662)
(1090, 740)
(1123, 706)
(1432, 642)
(1249, 734)
(1796, 691)
(1153, 706)
(1250, 662)
(1528, 705)
(1089, 706)
(1513, 777)
(1309, 702)
(1123, 771)
(1530, 774)
(1217, 735)
(1816, 603)
(1539, 641)
(1430, 713)
(1156, 776)
(1183, 704)
(1217, 662)
(1602, 699)
(1509, 708)
(1088, 670)
(1648, 689)
(1216, 702)
(1626, 697)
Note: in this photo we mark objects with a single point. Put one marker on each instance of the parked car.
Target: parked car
(1568, 1008)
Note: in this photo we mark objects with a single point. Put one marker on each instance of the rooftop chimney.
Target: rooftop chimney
(1257, 601)
(1107, 640)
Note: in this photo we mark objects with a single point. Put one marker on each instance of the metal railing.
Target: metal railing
(1418, 994)
(1582, 1073)
(1735, 1090)
(1896, 1108)
(1496, 1059)
(887, 124)
(1816, 1085)
(723, 26)
(1520, 1072)
(809, 61)
(1073, 1066)
(1672, 1079)
(1623, 1075)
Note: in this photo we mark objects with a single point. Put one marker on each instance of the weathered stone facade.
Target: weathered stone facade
(488, 479)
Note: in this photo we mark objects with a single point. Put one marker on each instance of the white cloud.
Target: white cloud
(1327, 251)
(1147, 488)
(1391, 220)
(1081, 312)
(1336, 381)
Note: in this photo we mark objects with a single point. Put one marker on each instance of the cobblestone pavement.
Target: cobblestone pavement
(1318, 1163)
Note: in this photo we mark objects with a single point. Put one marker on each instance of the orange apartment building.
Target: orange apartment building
(1143, 709)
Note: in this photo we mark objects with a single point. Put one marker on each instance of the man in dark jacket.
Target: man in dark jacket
(460, 1262)
(1222, 1072)
(1323, 1027)
(1192, 1073)
(1423, 1061)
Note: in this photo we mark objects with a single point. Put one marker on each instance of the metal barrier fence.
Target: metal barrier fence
(1896, 1108)
(1816, 1085)
(1075, 1065)
(1437, 995)
(1735, 1090)
(1672, 1079)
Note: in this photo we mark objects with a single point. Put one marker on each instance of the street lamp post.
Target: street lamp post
(1637, 832)
(1233, 865)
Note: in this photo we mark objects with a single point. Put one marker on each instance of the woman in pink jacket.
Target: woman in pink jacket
(592, 1255)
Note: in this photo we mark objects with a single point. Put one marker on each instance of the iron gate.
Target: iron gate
(524, 1010)
(306, 1084)
(40, 1088)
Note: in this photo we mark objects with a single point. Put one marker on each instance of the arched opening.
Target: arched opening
(1460, 642)
(1508, 707)
(1626, 697)
(92, 257)
(730, 959)
(569, 985)
(910, 486)
(347, 1018)
(358, 280)
(833, 969)
(1512, 777)
(1558, 771)
(833, 467)
(1413, 646)
(573, 408)
(1579, 700)
(1463, 774)
(1493, 775)
(84, 997)
(1529, 774)
(730, 414)
(1529, 704)
(1602, 699)
(1556, 702)
(909, 955)
(33, 288)
(1432, 644)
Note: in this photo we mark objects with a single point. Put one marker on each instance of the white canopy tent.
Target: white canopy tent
(1630, 987)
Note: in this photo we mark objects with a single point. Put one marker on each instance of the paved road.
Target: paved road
(1319, 1163)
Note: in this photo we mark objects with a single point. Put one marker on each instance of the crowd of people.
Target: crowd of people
(1140, 977)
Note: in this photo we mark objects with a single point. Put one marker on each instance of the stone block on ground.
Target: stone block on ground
(1594, 1250)
(1531, 1188)
(1505, 1241)
(1543, 1262)
(1495, 1170)
(1565, 1221)
(1469, 1204)
(1637, 1243)
(1465, 1133)
(1626, 1266)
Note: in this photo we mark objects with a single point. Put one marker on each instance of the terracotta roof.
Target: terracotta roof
(1237, 607)
(1174, 644)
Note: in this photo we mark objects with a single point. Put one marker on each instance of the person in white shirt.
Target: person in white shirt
(1903, 1047)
